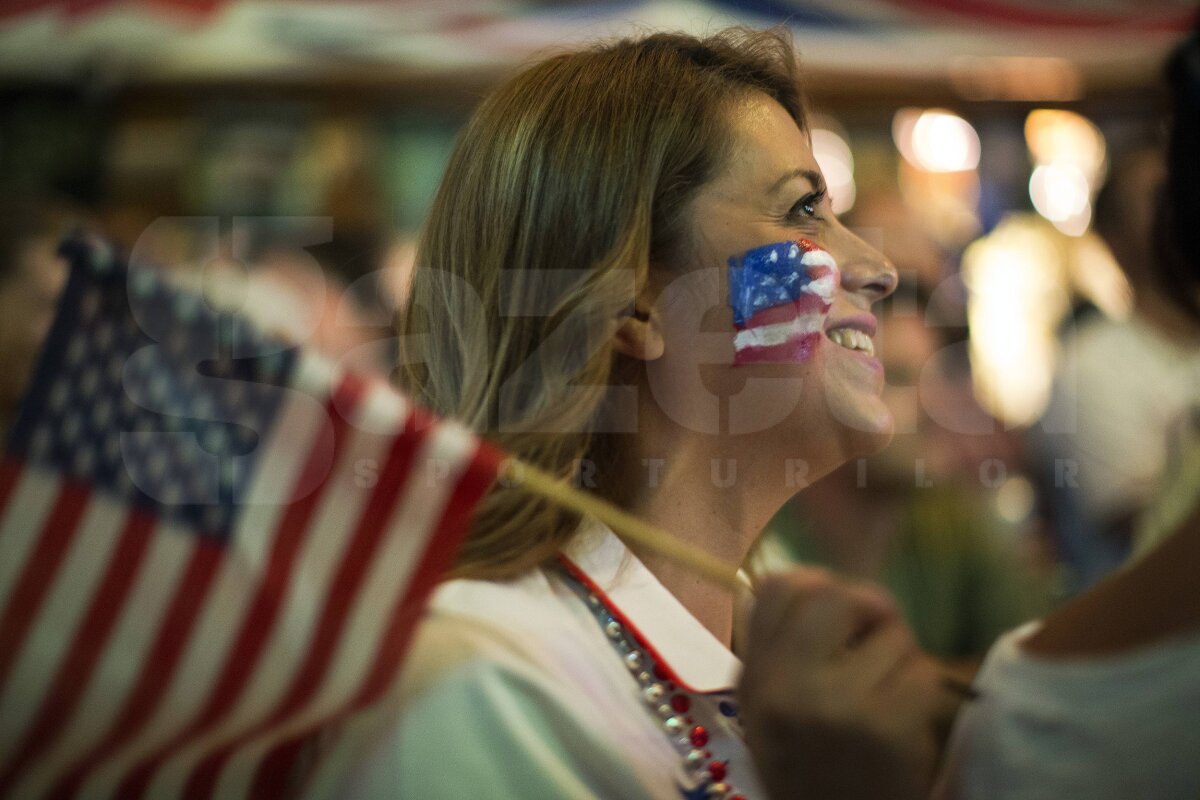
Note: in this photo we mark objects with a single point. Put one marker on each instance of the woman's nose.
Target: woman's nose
(865, 270)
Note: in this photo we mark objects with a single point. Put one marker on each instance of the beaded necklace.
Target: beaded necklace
(665, 701)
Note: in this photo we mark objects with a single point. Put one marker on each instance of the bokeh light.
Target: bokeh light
(936, 140)
(1055, 136)
(837, 165)
(1016, 277)
(1062, 194)
(1069, 154)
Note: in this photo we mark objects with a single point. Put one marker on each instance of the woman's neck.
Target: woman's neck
(854, 535)
(685, 498)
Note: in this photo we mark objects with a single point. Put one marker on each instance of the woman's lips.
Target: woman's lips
(853, 333)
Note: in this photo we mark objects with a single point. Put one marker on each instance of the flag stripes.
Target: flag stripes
(168, 556)
(432, 475)
(93, 632)
(259, 619)
(364, 540)
(38, 576)
(470, 485)
(207, 646)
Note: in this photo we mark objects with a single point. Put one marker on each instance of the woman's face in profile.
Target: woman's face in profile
(819, 402)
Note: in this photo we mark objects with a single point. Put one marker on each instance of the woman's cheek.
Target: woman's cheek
(781, 294)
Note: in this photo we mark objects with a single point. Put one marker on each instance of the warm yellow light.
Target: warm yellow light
(1059, 191)
(1069, 152)
(1096, 275)
(837, 165)
(1015, 500)
(936, 140)
(1077, 224)
(1056, 136)
(1018, 295)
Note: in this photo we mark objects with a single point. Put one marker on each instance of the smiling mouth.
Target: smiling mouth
(852, 339)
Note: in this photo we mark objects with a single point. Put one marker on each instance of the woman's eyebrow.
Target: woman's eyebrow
(811, 175)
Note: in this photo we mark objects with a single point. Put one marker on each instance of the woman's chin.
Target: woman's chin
(870, 434)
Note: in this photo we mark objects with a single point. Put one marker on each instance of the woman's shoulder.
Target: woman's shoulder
(507, 692)
(522, 627)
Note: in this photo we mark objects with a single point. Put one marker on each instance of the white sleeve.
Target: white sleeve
(1102, 729)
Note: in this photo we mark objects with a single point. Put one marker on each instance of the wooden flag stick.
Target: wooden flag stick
(627, 526)
(633, 530)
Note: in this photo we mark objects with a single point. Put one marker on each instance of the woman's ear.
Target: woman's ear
(639, 334)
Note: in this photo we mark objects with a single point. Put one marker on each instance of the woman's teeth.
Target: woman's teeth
(852, 339)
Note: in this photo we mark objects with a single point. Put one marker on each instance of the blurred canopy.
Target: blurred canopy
(987, 46)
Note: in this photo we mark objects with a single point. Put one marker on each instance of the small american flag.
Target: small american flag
(780, 294)
(213, 548)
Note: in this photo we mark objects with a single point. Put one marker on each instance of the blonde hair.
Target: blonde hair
(586, 163)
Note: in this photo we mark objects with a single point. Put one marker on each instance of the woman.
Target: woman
(595, 277)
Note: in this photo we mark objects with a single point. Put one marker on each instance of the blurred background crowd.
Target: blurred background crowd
(1006, 155)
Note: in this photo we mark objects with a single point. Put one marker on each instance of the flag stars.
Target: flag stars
(235, 392)
(128, 407)
(175, 413)
(101, 261)
(115, 368)
(247, 438)
(112, 447)
(58, 395)
(90, 381)
(84, 460)
(213, 517)
(156, 462)
(187, 307)
(177, 346)
(123, 482)
(158, 389)
(215, 439)
(203, 489)
(171, 493)
(111, 380)
(71, 428)
(89, 306)
(131, 328)
(134, 381)
(143, 282)
(103, 337)
(266, 368)
(76, 351)
(41, 442)
(202, 406)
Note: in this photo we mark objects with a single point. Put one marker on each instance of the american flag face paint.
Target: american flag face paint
(781, 294)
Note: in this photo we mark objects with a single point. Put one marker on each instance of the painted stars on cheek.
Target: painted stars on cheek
(781, 294)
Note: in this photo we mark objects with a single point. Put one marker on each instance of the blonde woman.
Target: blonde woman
(597, 291)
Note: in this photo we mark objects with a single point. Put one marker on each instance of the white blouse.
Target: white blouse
(598, 685)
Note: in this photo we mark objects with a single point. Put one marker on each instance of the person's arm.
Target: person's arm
(1153, 600)
(1100, 700)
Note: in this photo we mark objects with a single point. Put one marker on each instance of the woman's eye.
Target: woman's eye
(807, 206)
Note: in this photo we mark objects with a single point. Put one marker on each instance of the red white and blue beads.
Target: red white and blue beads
(666, 702)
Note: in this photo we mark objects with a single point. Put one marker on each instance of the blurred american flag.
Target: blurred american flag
(213, 547)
